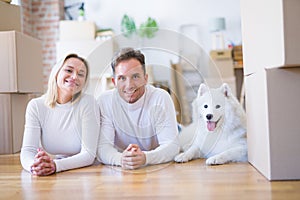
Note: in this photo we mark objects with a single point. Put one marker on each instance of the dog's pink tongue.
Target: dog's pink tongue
(211, 126)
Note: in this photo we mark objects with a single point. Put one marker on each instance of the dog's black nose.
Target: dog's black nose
(209, 116)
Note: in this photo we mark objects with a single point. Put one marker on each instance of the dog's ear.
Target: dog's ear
(226, 89)
(202, 89)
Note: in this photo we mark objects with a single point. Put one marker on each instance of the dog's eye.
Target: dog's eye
(205, 106)
(218, 106)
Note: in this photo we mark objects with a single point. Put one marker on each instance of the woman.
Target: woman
(62, 126)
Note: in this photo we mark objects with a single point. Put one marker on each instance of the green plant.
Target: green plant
(128, 26)
(146, 29)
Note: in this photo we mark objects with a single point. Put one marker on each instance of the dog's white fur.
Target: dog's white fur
(218, 131)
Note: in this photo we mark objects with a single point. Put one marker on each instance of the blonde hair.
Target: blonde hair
(52, 93)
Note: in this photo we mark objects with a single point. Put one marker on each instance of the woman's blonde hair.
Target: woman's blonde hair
(52, 94)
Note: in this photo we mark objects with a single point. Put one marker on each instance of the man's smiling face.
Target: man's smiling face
(130, 80)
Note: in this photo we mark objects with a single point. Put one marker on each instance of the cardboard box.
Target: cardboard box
(222, 59)
(221, 54)
(270, 34)
(10, 17)
(12, 120)
(76, 30)
(20, 63)
(272, 104)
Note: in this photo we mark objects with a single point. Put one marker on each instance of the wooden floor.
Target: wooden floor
(192, 180)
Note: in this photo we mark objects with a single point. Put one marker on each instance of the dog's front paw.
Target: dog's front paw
(182, 157)
(216, 160)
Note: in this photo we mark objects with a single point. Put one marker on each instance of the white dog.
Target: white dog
(218, 131)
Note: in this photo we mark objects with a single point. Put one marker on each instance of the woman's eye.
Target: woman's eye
(69, 70)
(81, 75)
(122, 78)
(205, 106)
(218, 106)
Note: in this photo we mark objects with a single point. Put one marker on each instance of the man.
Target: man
(138, 121)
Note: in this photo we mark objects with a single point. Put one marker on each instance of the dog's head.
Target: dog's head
(209, 105)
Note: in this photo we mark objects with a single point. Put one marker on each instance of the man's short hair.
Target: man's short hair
(127, 54)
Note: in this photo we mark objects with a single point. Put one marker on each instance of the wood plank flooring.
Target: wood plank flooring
(192, 180)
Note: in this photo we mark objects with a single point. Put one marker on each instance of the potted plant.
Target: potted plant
(146, 29)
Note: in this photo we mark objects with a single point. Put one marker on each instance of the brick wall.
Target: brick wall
(41, 20)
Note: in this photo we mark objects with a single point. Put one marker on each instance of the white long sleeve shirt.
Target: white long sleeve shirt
(68, 131)
(150, 122)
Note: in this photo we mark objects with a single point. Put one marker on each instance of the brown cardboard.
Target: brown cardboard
(20, 63)
(10, 17)
(270, 30)
(272, 104)
(12, 120)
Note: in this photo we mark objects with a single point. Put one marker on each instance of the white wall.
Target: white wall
(170, 14)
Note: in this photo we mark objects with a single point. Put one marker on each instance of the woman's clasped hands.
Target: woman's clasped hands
(43, 164)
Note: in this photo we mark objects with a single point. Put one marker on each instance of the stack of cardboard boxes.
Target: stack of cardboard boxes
(237, 56)
(21, 76)
(272, 83)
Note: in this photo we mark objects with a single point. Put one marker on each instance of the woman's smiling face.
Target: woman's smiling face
(71, 78)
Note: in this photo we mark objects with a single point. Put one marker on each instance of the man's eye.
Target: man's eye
(205, 106)
(136, 76)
